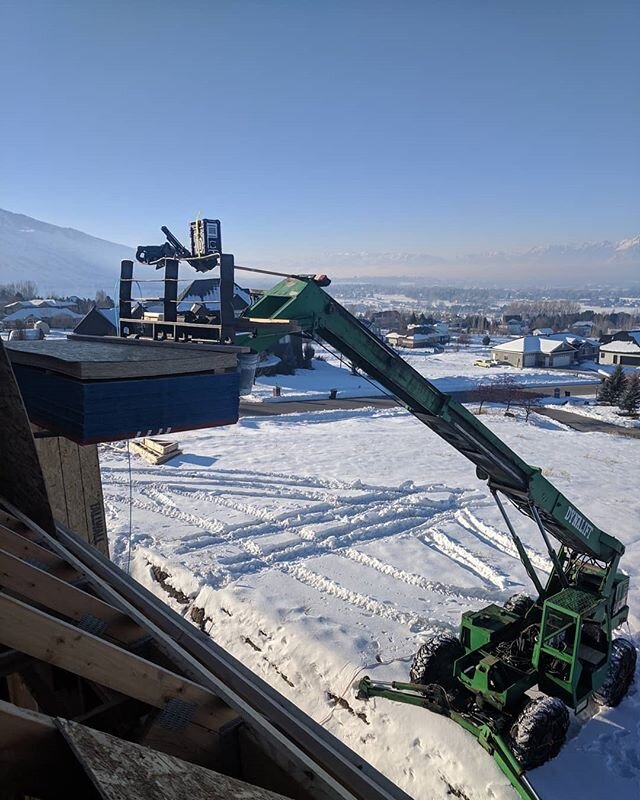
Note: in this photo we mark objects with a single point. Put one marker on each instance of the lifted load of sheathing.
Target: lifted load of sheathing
(105, 391)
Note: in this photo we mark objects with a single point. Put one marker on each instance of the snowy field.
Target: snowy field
(451, 371)
(320, 547)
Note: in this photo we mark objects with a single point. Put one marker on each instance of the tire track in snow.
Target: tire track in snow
(414, 579)
(498, 539)
(456, 552)
(415, 622)
(381, 513)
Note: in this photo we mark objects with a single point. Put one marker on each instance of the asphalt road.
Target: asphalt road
(297, 407)
(586, 424)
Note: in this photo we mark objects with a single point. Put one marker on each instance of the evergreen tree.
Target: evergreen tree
(604, 393)
(486, 340)
(630, 399)
(617, 383)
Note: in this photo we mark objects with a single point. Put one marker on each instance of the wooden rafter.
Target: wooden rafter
(21, 578)
(63, 645)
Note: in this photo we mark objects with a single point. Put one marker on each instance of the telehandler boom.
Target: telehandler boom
(562, 641)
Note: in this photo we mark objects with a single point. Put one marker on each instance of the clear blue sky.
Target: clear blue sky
(440, 127)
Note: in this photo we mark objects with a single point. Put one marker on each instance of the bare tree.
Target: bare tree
(506, 389)
(527, 401)
(486, 393)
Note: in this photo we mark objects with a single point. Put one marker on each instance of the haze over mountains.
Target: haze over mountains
(67, 261)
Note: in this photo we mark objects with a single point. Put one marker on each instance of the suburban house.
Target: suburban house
(513, 324)
(55, 317)
(420, 336)
(583, 327)
(387, 320)
(543, 332)
(586, 348)
(621, 348)
(534, 351)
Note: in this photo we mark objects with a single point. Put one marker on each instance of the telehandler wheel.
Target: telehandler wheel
(539, 731)
(433, 663)
(519, 604)
(622, 667)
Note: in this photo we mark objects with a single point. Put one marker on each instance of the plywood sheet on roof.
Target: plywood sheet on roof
(122, 770)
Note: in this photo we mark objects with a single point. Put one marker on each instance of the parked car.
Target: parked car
(484, 362)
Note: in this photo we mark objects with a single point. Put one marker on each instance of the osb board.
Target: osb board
(21, 479)
(72, 477)
(122, 770)
(112, 360)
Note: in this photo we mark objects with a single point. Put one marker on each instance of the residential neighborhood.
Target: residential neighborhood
(61, 314)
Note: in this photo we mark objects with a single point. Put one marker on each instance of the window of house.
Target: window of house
(615, 359)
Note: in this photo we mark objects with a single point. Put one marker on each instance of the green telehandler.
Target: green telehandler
(515, 669)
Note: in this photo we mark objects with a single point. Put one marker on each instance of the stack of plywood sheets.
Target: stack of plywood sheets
(99, 389)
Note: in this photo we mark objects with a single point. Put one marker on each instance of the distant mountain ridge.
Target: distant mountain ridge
(61, 260)
(560, 265)
(68, 261)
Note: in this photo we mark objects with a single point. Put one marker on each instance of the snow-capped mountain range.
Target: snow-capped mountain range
(61, 260)
(556, 265)
(65, 260)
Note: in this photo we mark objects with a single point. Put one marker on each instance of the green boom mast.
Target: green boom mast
(561, 641)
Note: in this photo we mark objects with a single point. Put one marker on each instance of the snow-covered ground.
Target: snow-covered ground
(451, 371)
(588, 408)
(320, 547)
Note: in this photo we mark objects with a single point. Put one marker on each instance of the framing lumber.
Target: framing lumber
(153, 457)
(23, 579)
(62, 645)
(18, 545)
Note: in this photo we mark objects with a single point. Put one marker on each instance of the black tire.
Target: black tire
(622, 667)
(519, 604)
(433, 663)
(539, 731)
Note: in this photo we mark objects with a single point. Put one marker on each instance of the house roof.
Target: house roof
(109, 314)
(93, 322)
(531, 344)
(625, 346)
(40, 303)
(574, 339)
(42, 312)
(207, 292)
